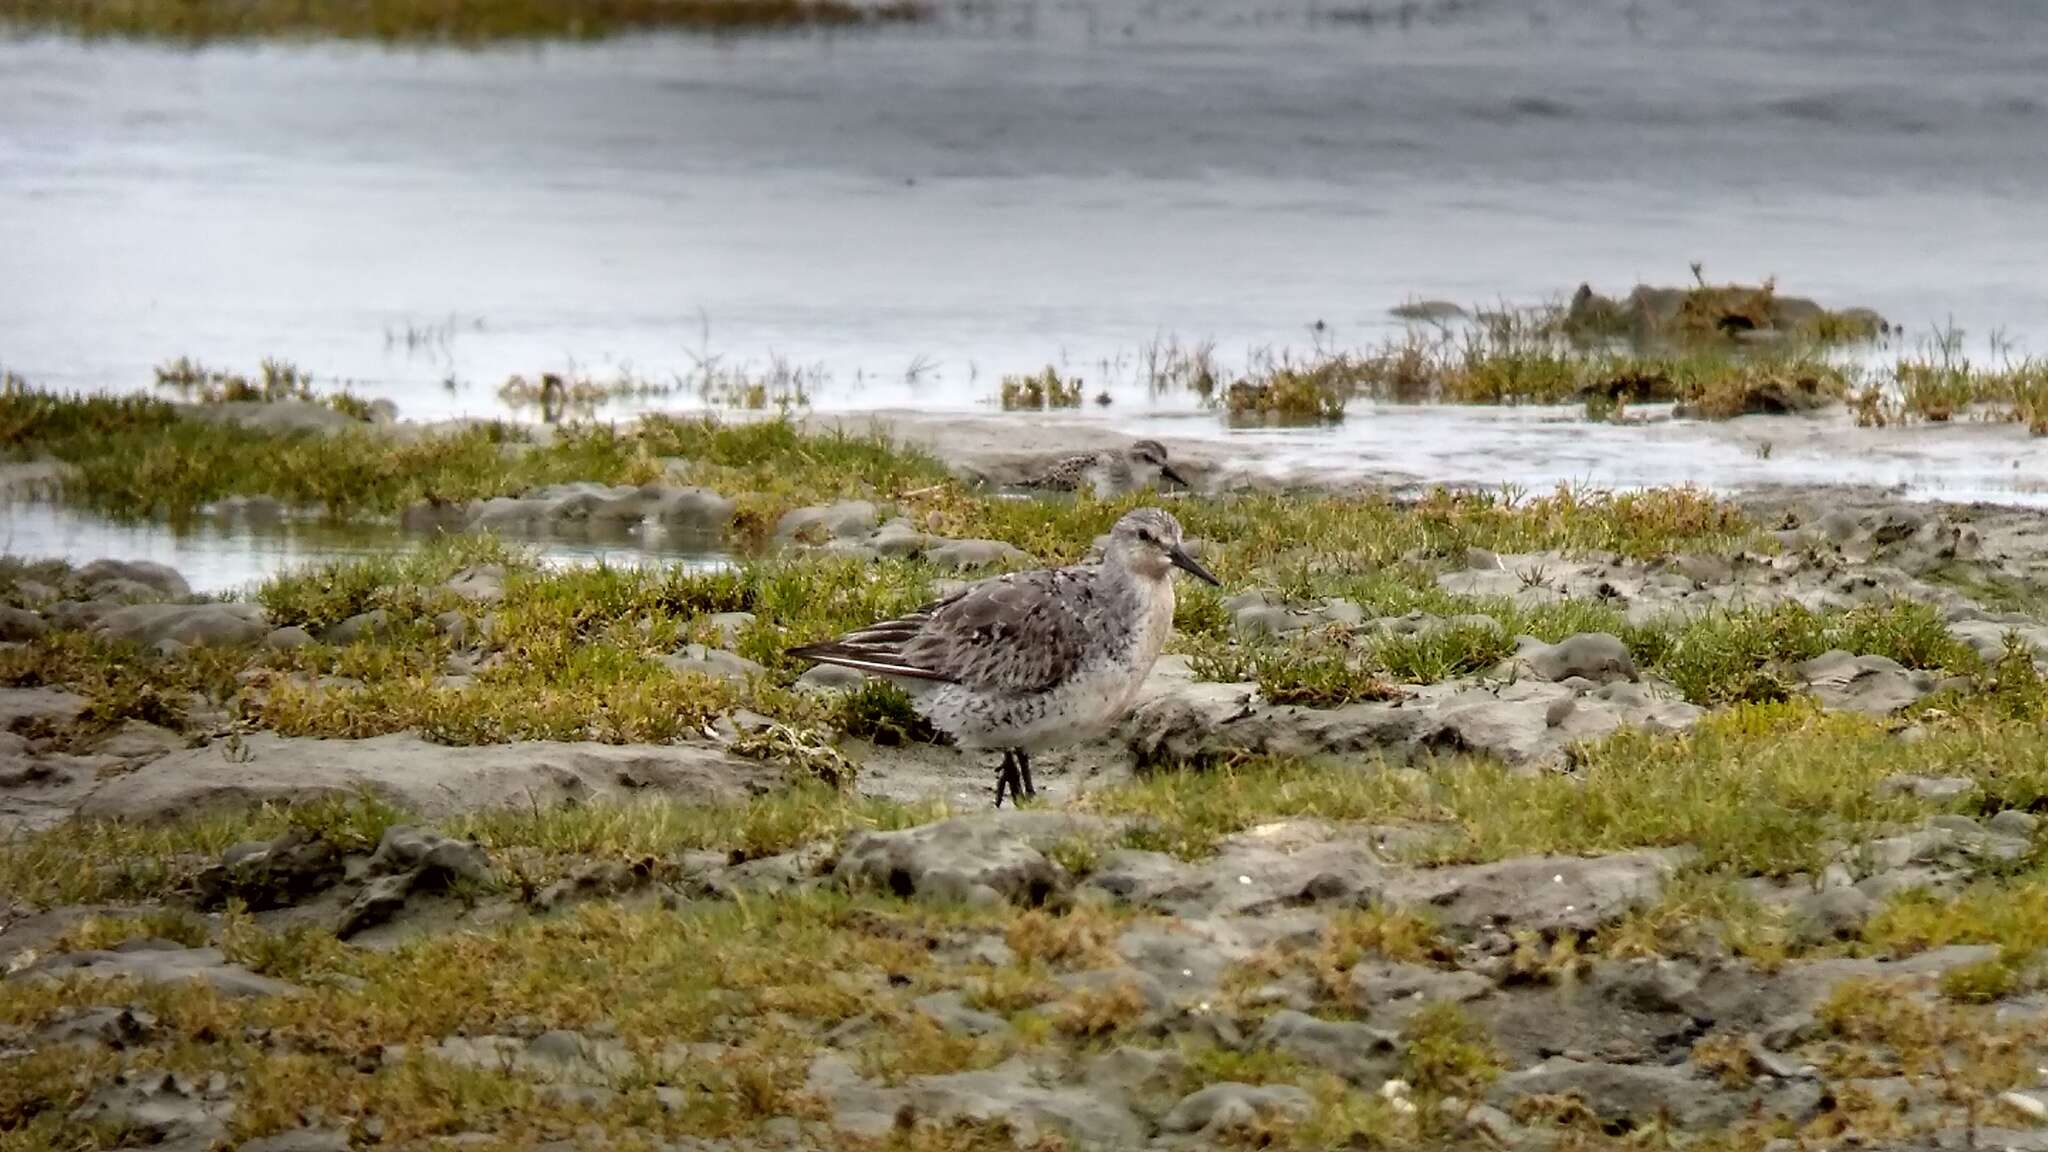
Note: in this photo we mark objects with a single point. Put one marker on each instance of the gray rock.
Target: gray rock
(168, 1111)
(981, 859)
(1538, 893)
(899, 538)
(1342, 613)
(1624, 1093)
(432, 858)
(371, 625)
(1595, 656)
(1392, 991)
(173, 966)
(837, 521)
(592, 879)
(114, 1028)
(378, 901)
(1928, 787)
(300, 1140)
(279, 874)
(135, 740)
(715, 663)
(287, 638)
(158, 578)
(823, 678)
(2014, 822)
(947, 1011)
(32, 706)
(429, 780)
(17, 624)
(484, 584)
(1258, 614)
(693, 511)
(195, 624)
(968, 555)
(729, 626)
(1017, 1092)
(1147, 1080)
(1178, 721)
(1873, 685)
(1360, 1054)
(1834, 914)
(1222, 1109)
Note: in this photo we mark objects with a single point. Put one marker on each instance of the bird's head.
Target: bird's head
(1148, 542)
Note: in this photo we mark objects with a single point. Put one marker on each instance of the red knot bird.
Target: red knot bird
(1033, 660)
(1110, 472)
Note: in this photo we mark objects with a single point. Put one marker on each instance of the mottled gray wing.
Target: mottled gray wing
(1021, 632)
(1063, 475)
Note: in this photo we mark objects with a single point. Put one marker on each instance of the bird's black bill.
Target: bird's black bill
(1167, 471)
(1189, 565)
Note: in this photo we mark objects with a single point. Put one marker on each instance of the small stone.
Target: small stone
(2027, 1104)
(1595, 656)
(287, 638)
(1928, 787)
(714, 663)
(2013, 822)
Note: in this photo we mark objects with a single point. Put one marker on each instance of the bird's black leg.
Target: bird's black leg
(1006, 779)
(1024, 768)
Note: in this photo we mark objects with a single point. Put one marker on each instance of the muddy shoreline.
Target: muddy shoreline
(1530, 824)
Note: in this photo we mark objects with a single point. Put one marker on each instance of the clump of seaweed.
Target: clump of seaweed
(276, 381)
(1041, 390)
(1287, 393)
(1704, 312)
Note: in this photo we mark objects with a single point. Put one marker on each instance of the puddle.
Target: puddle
(219, 558)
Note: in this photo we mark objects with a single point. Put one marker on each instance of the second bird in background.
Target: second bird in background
(1110, 472)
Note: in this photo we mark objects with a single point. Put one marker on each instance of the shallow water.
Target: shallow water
(225, 558)
(915, 212)
(1038, 181)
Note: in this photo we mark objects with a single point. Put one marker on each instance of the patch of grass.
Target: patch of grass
(407, 585)
(1438, 654)
(1318, 676)
(1186, 812)
(1770, 789)
(455, 21)
(1748, 655)
(546, 841)
(1312, 393)
(1704, 312)
(1040, 391)
(93, 862)
(1079, 938)
(881, 712)
(98, 933)
(1447, 1053)
(1098, 1012)
(1882, 1027)
(138, 457)
(1941, 384)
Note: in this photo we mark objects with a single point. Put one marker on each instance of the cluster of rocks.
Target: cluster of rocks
(1618, 1037)
(856, 527)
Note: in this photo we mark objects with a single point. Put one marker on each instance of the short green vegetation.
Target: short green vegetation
(442, 21)
(145, 457)
(1041, 390)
